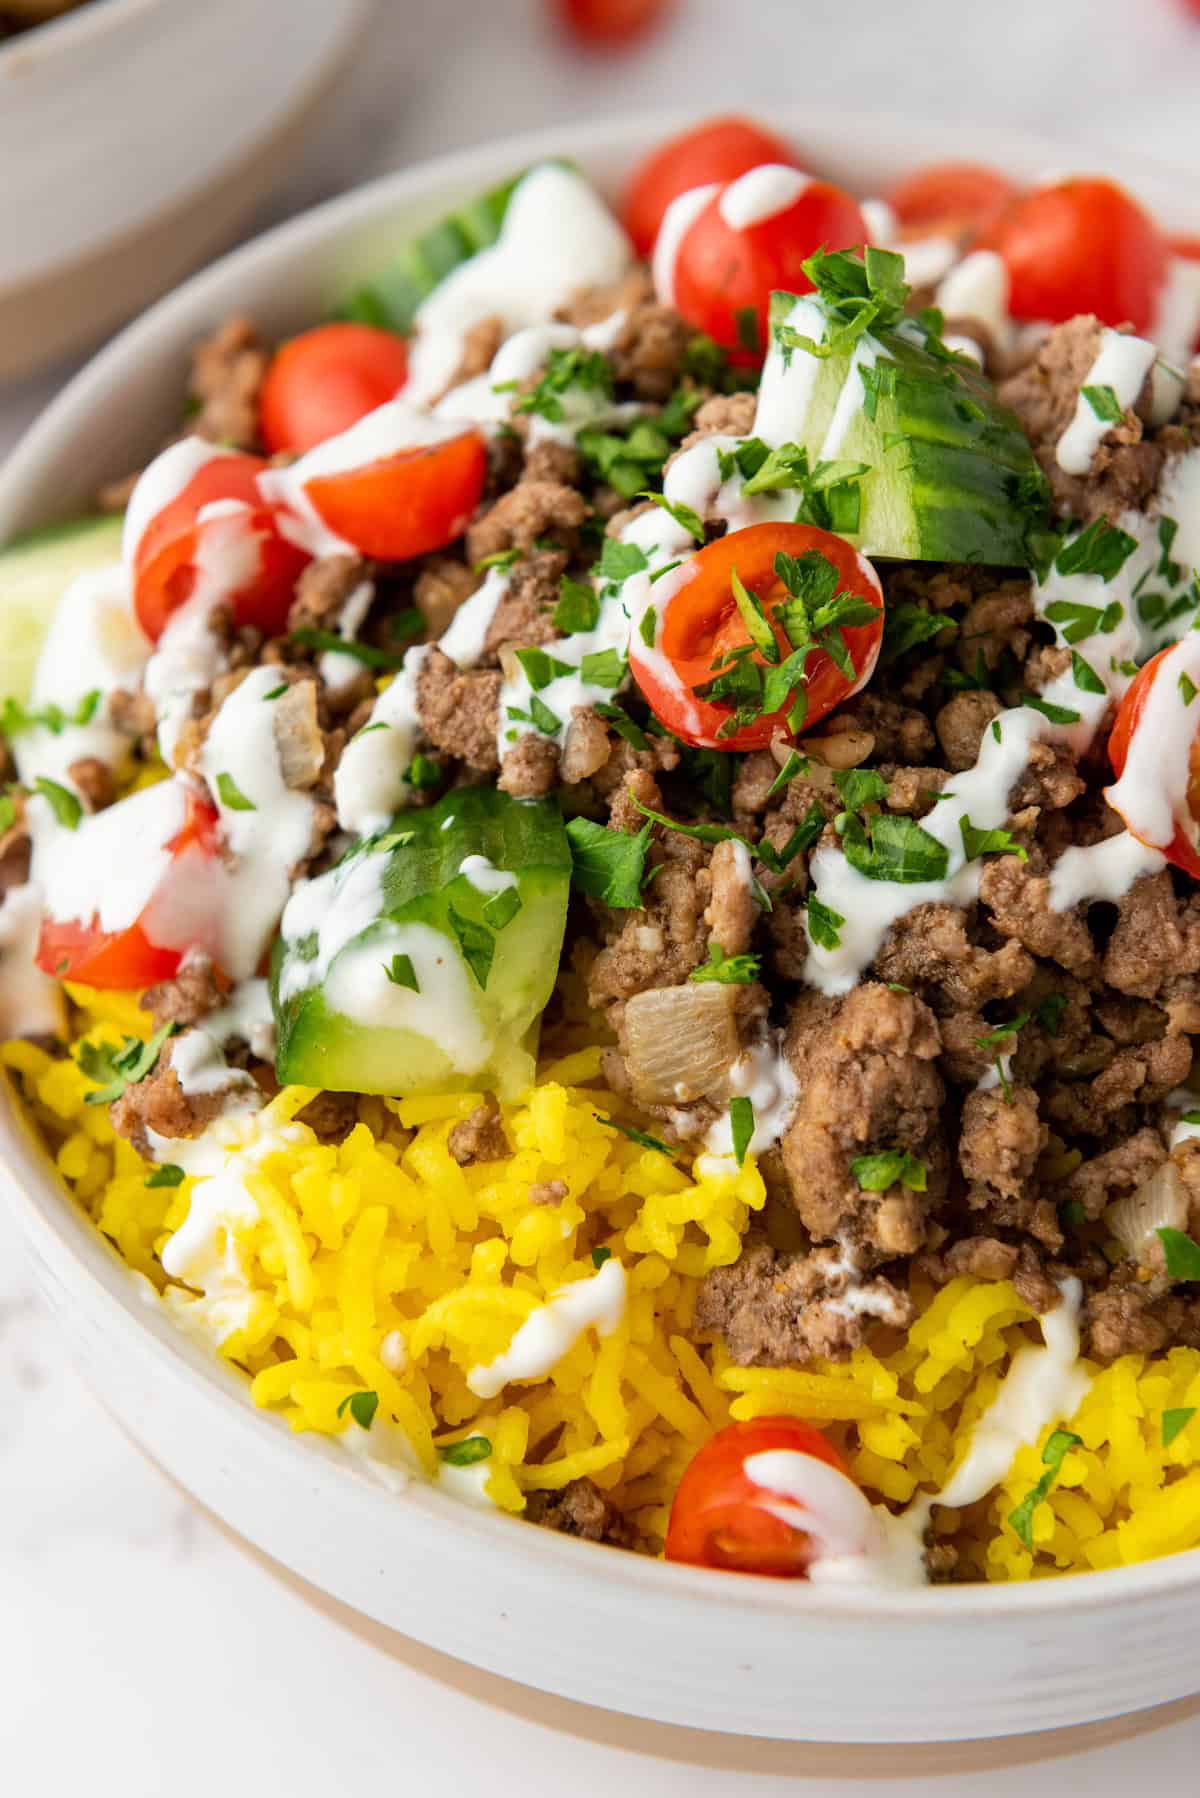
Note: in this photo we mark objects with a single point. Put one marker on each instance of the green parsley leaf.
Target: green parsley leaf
(1057, 714)
(231, 795)
(587, 370)
(875, 1173)
(401, 972)
(278, 693)
(730, 970)
(824, 924)
(1085, 676)
(66, 806)
(781, 468)
(638, 1136)
(540, 669)
(403, 626)
(758, 627)
(8, 809)
(502, 907)
(467, 1452)
(1003, 1032)
(311, 638)
(907, 626)
(608, 864)
(1174, 1421)
(1102, 549)
(1049, 1012)
(500, 558)
(1076, 621)
(477, 944)
(684, 516)
(622, 723)
(602, 668)
(741, 1123)
(1057, 1448)
(892, 848)
(362, 1407)
(620, 560)
(795, 764)
(1104, 403)
(989, 842)
(423, 772)
(166, 1175)
(114, 1069)
(1181, 1253)
(803, 837)
(1187, 688)
(600, 1255)
(578, 607)
(539, 715)
(1073, 1213)
(859, 787)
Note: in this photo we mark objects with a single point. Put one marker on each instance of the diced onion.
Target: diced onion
(1158, 1203)
(680, 1041)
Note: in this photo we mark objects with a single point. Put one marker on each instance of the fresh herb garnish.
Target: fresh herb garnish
(684, 516)
(312, 638)
(401, 972)
(1076, 622)
(758, 627)
(824, 924)
(477, 944)
(741, 1124)
(638, 1136)
(115, 1069)
(608, 864)
(1057, 714)
(859, 787)
(860, 293)
(540, 669)
(618, 561)
(1181, 1254)
(578, 607)
(883, 847)
(166, 1175)
(1104, 403)
(622, 723)
(423, 772)
(278, 693)
(600, 1255)
(1049, 1012)
(730, 970)
(875, 1173)
(466, 1452)
(1085, 676)
(1174, 1421)
(66, 806)
(362, 1407)
(1187, 688)
(1003, 1032)
(502, 907)
(602, 668)
(1102, 549)
(587, 370)
(539, 715)
(989, 842)
(795, 764)
(907, 626)
(15, 718)
(500, 558)
(1058, 1446)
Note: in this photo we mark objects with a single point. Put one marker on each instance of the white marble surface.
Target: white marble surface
(140, 1652)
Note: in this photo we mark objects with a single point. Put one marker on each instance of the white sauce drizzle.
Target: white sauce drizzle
(677, 221)
(761, 194)
(31, 1003)
(464, 640)
(978, 287)
(337, 669)
(485, 876)
(762, 1074)
(368, 783)
(547, 1333)
(1122, 363)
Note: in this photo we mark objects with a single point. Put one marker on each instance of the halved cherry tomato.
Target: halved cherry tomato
(610, 22)
(700, 626)
(130, 960)
(325, 380)
(1181, 851)
(725, 272)
(1187, 247)
(407, 504)
(169, 560)
(1082, 245)
(721, 1518)
(951, 199)
(719, 150)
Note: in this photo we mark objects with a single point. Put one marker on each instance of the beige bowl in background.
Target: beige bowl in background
(135, 137)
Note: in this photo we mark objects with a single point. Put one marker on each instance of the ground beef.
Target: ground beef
(227, 374)
(1108, 1176)
(1147, 945)
(730, 414)
(772, 1308)
(93, 781)
(930, 949)
(323, 589)
(529, 770)
(440, 588)
(1001, 1139)
(521, 518)
(479, 1137)
(580, 1509)
(459, 712)
(330, 1116)
(648, 349)
(660, 944)
(159, 1104)
(188, 997)
(1017, 896)
(961, 724)
(523, 616)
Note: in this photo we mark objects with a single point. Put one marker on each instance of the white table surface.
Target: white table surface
(141, 1652)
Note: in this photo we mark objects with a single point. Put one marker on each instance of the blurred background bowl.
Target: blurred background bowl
(135, 137)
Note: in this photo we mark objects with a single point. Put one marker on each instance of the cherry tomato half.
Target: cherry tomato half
(170, 558)
(325, 380)
(750, 239)
(1082, 245)
(1181, 851)
(700, 626)
(131, 960)
(721, 1518)
(610, 23)
(719, 150)
(951, 199)
(405, 504)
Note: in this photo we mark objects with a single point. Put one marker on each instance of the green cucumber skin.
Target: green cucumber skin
(35, 571)
(320, 1047)
(391, 299)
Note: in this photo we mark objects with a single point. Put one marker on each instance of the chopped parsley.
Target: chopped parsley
(622, 723)
(66, 806)
(587, 370)
(875, 1173)
(989, 842)
(1102, 549)
(859, 787)
(578, 607)
(500, 558)
(730, 970)
(1187, 688)
(15, 718)
(1057, 714)
(684, 516)
(231, 795)
(539, 715)
(362, 1407)
(600, 1255)
(758, 626)
(502, 907)
(166, 1175)
(1003, 1032)
(883, 847)
(1058, 1446)
(619, 560)
(278, 693)
(477, 944)
(741, 1124)
(1174, 1421)
(1076, 622)
(1104, 403)
(860, 293)
(540, 669)
(1085, 676)
(1049, 1012)
(638, 1136)
(114, 1069)
(423, 772)
(626, 463)
(401, 972)
(467, 1452)
(795, 764)
(312, 638)
(1181, 1254)
(824, 924)
(907, 626)
(602, 668)
(608, 864)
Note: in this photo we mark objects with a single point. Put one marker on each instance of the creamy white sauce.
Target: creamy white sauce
(882, 223)
(368, 783)
(160, 482)
(31, 1003)
(1152, 793)
(1101, 871)
(485, 876)
(468, 1484)
(270, 833)
(546, 1335)
(1122, 363)
(338, 670)
(112, 866)
(926, 259)
(814, 1497)
(198, 1055)
(464, 640)
(677, 221)
(762, 1074)
(1176, 324)
(1179, 498)
(978, 287)
(760, 194)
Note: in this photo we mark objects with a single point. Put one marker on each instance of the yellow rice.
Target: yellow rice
(385, 1234)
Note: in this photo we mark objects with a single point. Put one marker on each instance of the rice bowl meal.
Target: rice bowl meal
(598, 866)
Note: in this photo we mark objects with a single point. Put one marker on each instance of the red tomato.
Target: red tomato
(720, 1517)
(1187, 247)
(610, 22)
(701, 625)
(725, 273)
(1181, 850)
(167, 561)
(129, 959)
(324, 381)
(1083, 245)
(951, 199)
(719, 150)
(407, 504)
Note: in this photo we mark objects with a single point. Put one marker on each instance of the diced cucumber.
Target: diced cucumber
(391, 299)
(397, 972)
(950, 473)
(35, 571)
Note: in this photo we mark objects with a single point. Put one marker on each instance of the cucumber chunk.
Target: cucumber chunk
(950, 475)
(390, 300)
(402, 971)
(35, 571)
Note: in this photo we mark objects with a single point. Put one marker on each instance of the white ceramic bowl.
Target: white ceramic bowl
(135, 137)
(751, 1656)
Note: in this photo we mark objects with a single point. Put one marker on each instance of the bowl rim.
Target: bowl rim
(58, 1230)
(65, 30)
